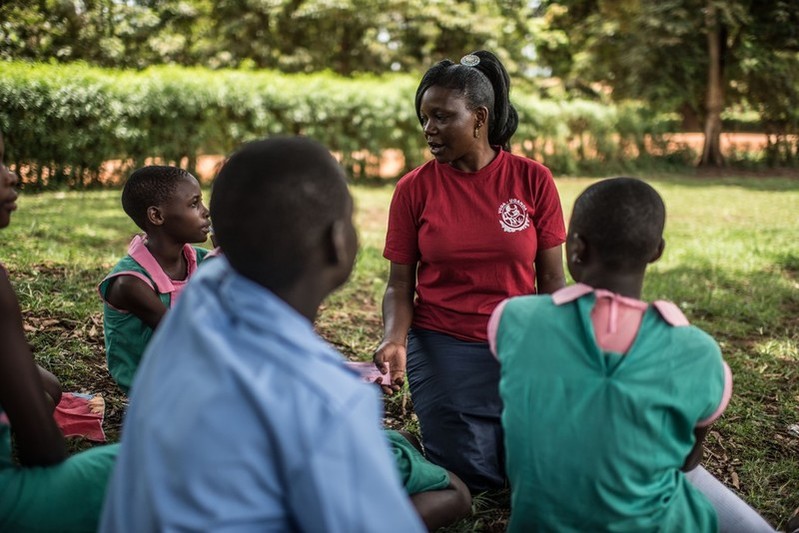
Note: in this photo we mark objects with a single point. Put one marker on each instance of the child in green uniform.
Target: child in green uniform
(607, 399)
(166, 203)
(47, 490)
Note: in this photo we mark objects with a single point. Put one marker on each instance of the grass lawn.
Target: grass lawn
(731, 263)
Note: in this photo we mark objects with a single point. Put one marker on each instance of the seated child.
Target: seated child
(166, 203)
(47, 490)
(440, 497)
(266, 427)
(607, 399)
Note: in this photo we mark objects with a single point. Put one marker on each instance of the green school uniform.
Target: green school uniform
(595, 440)
(126, 336)
(66, 497)
(416, 472)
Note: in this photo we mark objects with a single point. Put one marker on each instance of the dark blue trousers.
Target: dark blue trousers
(455, 391)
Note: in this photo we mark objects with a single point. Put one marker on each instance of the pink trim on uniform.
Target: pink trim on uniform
(216, 252)
(725, 399)
(139, 252)
(671, 313)
(616, 320)
(163, 283)
(493, 325)
(570, 293)
(4, 419)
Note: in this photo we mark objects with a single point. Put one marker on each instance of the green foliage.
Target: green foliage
(658, 51)
(345, 36)
(64, 122)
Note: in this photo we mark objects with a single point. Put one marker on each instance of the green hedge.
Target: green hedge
(63, 121)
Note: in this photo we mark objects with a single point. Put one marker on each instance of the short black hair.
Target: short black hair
(623, 219)
(485, 84)
(150, 186)
(271, 202)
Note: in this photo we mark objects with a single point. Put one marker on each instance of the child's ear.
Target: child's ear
(659, 252)
(154, 216)
(577, 249)
(338, 242)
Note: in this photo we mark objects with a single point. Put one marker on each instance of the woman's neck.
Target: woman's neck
(476, 160)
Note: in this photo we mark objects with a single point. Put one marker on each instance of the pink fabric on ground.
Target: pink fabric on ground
(81, 415)
(369, 372)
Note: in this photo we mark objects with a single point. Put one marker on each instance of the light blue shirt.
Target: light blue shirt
(242, 419)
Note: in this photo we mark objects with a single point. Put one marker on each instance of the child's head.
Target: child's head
(616, 225)
(8, 195)
(169, 199)
(282, 211)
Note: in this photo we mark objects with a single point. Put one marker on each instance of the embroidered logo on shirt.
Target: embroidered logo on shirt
(513, 216)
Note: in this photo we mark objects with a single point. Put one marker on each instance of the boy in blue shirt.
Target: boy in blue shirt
(266, 428)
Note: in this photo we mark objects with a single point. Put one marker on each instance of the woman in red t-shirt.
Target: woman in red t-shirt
(466, 230)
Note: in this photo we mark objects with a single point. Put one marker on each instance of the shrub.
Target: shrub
(64, 121)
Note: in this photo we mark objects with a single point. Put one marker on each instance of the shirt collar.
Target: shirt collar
(668, 310)
(139, 252)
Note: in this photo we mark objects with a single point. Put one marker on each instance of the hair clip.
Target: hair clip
(470, 60)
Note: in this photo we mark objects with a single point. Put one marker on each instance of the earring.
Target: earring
(477, 131)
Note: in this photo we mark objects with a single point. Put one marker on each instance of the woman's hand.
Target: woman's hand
(392, 355)
(397, 317)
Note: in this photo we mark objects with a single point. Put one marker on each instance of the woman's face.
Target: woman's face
(8, 195)
(449, 127)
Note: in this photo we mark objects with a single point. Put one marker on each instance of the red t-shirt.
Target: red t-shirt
(474, 236)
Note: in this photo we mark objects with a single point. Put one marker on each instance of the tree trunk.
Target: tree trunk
(714, 98)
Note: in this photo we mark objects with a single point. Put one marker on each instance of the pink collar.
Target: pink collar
(139, 252)
(669, 311)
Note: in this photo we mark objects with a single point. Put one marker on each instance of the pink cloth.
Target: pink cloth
(369, 372)
(81, 415)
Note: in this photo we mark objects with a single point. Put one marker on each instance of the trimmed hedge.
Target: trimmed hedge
(63, 121)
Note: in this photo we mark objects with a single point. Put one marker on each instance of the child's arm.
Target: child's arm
(131, 294)
(695, 457)
(39, 441)
(702, 427)
(549, 270)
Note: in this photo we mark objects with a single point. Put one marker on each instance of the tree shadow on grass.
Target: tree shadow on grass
(755, 318)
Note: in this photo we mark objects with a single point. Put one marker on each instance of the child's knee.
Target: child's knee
(52, 387)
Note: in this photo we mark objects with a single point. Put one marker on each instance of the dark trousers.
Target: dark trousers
(455, 391)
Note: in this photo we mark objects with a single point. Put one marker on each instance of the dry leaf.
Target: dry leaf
(735, 481)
